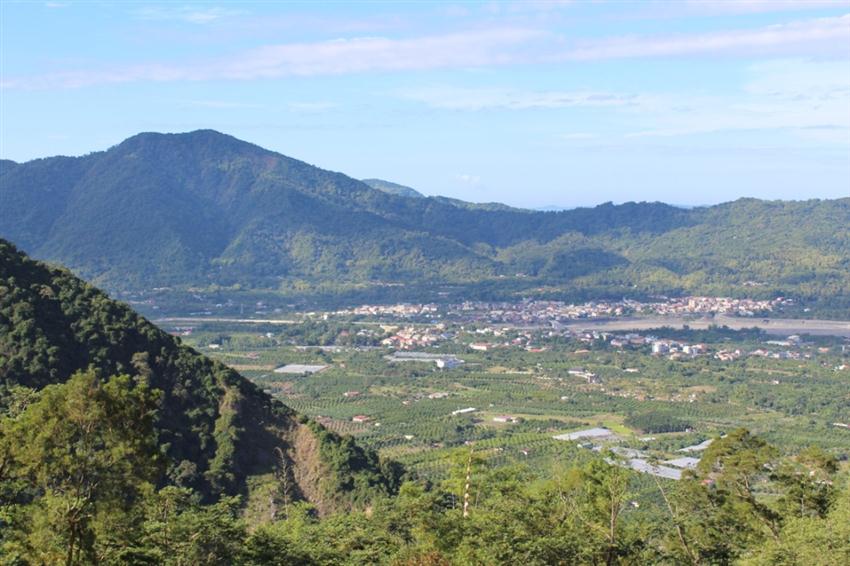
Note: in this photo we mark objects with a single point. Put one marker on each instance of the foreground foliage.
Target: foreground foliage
(77, 463)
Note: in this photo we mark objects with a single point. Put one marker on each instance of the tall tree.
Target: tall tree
(84, 450)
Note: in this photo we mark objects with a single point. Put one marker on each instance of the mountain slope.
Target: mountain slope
(159, 209)
(162, 209)
(218, 432)
(204, 208)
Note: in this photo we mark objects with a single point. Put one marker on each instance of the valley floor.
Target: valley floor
(424, 390)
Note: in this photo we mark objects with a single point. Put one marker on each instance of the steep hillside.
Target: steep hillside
(217, 431)
(204, 208)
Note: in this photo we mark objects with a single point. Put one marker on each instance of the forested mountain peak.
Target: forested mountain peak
(205, 208)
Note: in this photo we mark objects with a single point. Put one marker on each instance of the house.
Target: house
(360, 419)
(588, 376)
(506, 419)
(448, 363)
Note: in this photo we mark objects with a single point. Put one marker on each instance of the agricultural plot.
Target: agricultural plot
(506, 404)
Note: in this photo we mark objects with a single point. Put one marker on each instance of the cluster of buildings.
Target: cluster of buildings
(488, 338)
(528, 313)
(675, 349)
(521, 340)
(539, 312)
(404, 310)
(411, 337)
(519, 313)
(713, 305)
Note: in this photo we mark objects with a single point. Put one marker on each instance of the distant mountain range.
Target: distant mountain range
(204, 208)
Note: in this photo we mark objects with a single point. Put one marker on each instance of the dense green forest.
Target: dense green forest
(216, 211)
(215, 432)
(119, 445)
(79, 460)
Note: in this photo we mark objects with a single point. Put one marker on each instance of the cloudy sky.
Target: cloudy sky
(530, 103)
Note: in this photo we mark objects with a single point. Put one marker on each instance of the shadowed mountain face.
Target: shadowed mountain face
(215, 429)
(204, 207)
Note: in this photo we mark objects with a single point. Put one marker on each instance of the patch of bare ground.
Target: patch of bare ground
(307, 469)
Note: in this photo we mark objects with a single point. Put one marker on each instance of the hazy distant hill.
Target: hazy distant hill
(203, 207)
(393, 188)
(215, 429)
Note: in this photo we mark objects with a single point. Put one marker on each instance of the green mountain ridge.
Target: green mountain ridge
(218, 433)
(204, 208)
(393, 188)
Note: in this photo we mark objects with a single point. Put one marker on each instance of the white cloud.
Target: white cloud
(810, 98)
(336, 57)
(829, 36)
(344, 56)
(455, 98)
(188, 14)
(468, 49)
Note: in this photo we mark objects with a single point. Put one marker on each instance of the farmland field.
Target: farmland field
(547, 382)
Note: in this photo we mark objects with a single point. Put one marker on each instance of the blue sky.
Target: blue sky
(529, 103)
